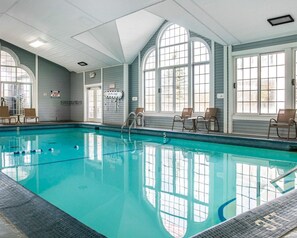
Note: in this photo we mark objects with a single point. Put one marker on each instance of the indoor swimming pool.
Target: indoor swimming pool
(143, 186)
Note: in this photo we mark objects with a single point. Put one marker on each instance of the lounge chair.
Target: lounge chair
(4, 115)
(30, 113)
(186, 113)
(285, 119)
(210, 116)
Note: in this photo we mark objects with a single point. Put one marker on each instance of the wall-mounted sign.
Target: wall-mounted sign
(55, 94)
(113, 94)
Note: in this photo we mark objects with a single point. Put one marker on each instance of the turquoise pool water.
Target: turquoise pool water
(143, 186)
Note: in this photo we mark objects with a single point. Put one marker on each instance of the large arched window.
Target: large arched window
(15, 84)
(177, 73)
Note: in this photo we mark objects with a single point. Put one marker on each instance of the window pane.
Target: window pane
(150, 61)
(8, 74)
(272, 82)
(174, 34)
(167, 90)
(150, 90)
(200, 52)
(174, 55)
(247, 84)
(181, 81)
(7, 59)
(201, 87)
(23, 76)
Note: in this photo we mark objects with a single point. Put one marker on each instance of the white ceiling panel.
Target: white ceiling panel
(55, 51)
(90, 40)
(108, 32)
(108, 10)
(179, 15)
(56, 17)
(6, 4)
(247, 20)
(108, 36)
(134, 34)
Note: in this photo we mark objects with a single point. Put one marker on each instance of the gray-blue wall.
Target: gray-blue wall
(113, 113)
(53, 77)
(26, 58)
(77, 97)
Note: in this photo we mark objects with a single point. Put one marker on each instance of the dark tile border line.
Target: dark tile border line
(35, 217)
(270, 220)
(275, 144)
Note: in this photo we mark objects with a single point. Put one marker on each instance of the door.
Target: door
(94, 106)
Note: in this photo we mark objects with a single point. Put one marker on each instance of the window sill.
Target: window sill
(253, 117)
(170, 114)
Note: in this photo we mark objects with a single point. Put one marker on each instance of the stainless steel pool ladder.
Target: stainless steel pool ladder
(284, 175)
(134, 118)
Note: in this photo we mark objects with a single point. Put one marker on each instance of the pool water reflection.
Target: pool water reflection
(143, 186)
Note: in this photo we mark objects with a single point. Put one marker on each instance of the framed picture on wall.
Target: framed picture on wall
(55, 94)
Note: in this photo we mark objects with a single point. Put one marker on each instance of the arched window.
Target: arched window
(15, 84)
(150, 81)
(169, 82)
(201, 75)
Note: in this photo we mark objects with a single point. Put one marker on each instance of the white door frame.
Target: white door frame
(97, 85)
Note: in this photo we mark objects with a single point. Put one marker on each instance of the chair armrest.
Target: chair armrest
(272, 120)
(178, 116)
(200, 117)
(291, 121)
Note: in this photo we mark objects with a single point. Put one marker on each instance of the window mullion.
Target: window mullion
(259, 84)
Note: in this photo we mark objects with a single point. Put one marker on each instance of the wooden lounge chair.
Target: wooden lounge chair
(4, 115)
(186, 113)
(210, 116)
(30, 113)
(285, 119)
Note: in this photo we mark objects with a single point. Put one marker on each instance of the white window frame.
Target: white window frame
(25, 68)
(190, 65)
(289, 75)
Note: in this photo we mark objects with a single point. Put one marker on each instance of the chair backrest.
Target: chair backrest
(284, 115)
(4, 111)
(29, 112)
(187, 112)
(210, 112)
(138, 110)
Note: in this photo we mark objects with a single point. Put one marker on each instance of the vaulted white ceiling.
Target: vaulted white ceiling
(111, 32)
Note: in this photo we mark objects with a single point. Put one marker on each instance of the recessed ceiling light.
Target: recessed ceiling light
(280, 20)
(37, 43)
(82, 63)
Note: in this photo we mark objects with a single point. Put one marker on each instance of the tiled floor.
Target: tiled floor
(8, 230)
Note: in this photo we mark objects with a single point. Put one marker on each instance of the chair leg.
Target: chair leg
(218, 124)
(288, 132)
(208, 126)
(277, 133)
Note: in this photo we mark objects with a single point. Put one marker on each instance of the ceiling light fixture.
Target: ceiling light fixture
(280, 20)
(37, 43)
(82, 63)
